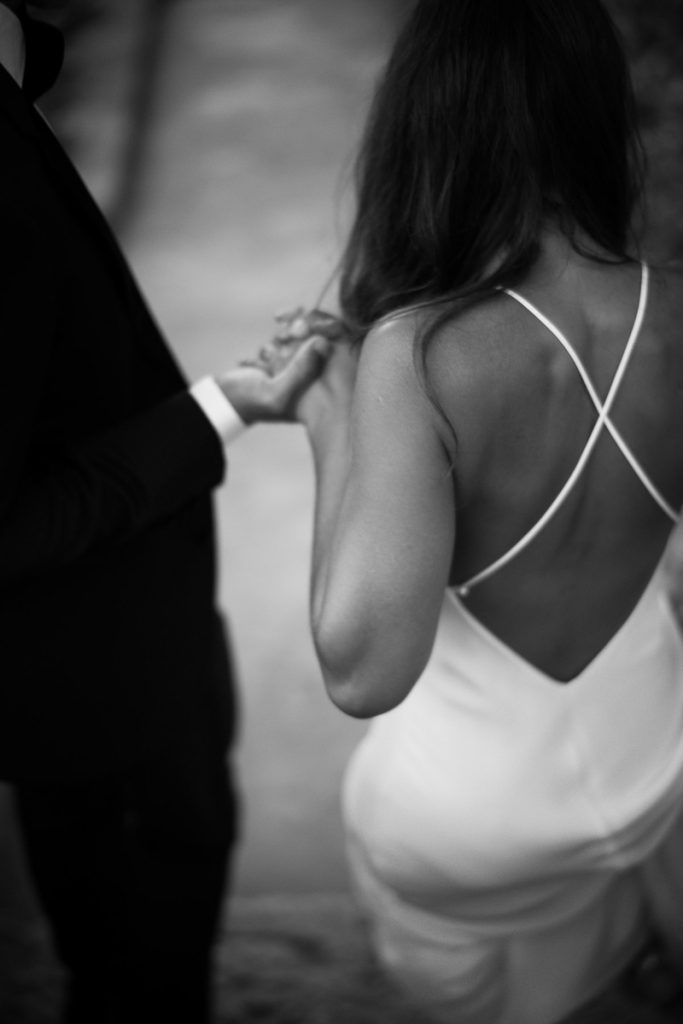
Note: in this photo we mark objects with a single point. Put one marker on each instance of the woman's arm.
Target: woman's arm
(384, 523)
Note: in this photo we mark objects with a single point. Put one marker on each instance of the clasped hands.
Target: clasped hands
(281, 382)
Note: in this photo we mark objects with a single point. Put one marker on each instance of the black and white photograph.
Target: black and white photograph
(341, 473)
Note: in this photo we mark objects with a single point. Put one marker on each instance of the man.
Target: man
(116, 704)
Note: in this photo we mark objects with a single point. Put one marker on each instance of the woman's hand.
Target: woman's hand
(299, 324)
(329, 397)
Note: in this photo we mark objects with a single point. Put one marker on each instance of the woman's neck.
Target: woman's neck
(562, 256)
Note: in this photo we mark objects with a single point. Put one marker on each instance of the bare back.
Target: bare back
(523, 416)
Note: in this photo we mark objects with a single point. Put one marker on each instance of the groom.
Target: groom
(116, 699)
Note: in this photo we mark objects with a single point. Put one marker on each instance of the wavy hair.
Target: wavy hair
(491, 117)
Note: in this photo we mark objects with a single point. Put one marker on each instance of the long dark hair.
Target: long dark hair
(491, 116)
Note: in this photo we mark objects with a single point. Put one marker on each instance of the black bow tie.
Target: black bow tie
(44, 56)
(44, 51)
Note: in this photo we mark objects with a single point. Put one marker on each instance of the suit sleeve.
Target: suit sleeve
(59, 506)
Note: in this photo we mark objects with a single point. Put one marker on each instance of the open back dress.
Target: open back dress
(504, 830)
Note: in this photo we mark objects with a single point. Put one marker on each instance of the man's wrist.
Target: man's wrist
(218, 409)
(250, 392)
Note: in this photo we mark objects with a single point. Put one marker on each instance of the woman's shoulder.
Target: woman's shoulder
(461, 357)
(460, 351)
(442, 322)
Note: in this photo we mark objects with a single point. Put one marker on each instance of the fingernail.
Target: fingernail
(299, 328)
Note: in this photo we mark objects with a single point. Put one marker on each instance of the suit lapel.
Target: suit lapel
(14, 103)
(64, 175)
(67, 180)
(62, 172)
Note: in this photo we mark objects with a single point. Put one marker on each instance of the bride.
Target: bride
(499, 463)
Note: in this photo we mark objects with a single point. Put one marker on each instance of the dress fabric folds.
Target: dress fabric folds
(511, 837)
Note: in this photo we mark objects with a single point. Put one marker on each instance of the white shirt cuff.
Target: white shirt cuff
(218, 410)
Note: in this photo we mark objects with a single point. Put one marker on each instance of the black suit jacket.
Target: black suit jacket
(110, 644)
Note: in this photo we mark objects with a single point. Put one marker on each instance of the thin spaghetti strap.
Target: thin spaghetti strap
(464, 588)
(602, 421)
(609, 425)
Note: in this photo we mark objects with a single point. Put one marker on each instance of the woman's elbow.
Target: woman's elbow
(355, 698)
(360, 681)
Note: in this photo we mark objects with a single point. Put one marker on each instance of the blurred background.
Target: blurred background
(218, 136)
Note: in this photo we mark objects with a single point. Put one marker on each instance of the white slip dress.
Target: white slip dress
(508, 835)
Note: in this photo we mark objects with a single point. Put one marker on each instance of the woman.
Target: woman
(495, 494)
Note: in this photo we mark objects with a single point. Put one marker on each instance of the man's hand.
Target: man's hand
(270, 387)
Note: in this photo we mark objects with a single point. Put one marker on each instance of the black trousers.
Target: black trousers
(131, 871)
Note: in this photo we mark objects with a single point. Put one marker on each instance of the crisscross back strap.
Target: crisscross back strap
(603, 421)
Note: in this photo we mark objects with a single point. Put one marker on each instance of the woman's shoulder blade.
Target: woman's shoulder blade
(668, 278)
